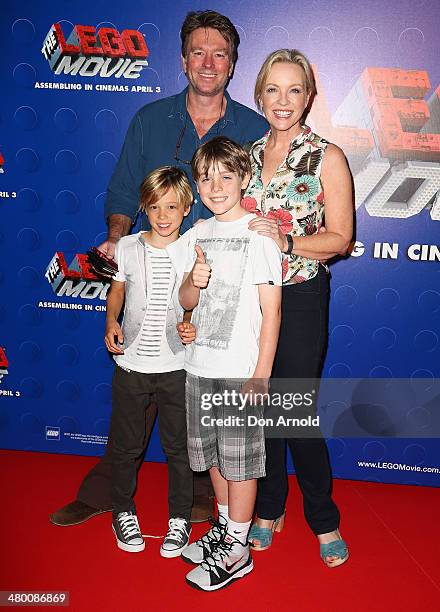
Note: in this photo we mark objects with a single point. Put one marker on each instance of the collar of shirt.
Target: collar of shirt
(257, 150)
(179, 108)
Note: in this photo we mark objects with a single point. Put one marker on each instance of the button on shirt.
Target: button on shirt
(151, 142)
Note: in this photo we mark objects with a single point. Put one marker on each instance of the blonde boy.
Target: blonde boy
(149, 358)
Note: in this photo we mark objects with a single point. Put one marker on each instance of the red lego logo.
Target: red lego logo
(88, 52)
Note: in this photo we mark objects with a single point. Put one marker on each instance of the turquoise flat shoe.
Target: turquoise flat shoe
(338, 549)
(260, 538)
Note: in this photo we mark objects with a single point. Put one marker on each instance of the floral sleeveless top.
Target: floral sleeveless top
(294, 196)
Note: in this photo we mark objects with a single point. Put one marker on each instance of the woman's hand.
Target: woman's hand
(271, 228)
(255, 390)
(186, 331)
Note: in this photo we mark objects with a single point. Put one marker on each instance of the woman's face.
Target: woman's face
(285, 97)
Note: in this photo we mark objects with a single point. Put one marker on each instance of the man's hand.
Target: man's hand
(113, 330)
(108, 247)
(201, 271)
(187, 332)
(118, 226)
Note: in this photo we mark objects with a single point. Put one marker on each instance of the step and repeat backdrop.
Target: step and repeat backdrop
(64, 112)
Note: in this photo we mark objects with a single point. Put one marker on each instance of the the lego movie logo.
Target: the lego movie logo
(88, 52)
(77, 280)
(4, 363)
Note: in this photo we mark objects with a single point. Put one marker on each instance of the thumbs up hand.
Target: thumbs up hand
(201, 271)
(200, 255)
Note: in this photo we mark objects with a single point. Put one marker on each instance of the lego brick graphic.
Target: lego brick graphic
(395, 147)
(397, 119)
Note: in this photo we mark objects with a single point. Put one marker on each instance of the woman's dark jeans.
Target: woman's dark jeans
(300, 354)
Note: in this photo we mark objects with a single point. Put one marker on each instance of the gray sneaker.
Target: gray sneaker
(177, 538)
(199, 550)
(128, 535)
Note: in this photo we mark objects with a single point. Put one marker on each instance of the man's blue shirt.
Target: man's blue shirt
(151, 142)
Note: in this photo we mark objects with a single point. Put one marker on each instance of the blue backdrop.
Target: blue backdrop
(378, 73)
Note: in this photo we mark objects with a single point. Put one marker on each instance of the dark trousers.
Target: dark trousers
(132, 393)
(95, 489)
(300, 354)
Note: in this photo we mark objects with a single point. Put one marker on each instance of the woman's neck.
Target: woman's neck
(281, 140)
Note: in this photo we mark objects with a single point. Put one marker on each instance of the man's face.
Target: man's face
(208, 64)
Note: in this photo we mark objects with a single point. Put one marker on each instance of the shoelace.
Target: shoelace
(213, 538)
(129, 525)
(177, 529)
(221, 551)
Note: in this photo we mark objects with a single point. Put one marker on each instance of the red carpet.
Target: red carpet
(392, 531)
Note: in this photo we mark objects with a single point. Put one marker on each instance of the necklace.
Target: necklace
(182, 132)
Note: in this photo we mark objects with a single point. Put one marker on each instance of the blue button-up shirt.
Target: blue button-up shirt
(151, 142)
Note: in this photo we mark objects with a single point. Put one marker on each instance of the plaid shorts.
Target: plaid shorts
(235, 446)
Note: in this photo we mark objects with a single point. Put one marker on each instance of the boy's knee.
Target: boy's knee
(176, 451)
(121, 453)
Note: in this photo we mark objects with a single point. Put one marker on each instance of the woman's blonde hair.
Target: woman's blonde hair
(157, 183)
(289, 56)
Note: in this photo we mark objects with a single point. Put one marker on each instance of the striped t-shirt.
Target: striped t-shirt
(154, 324)
(154, 348)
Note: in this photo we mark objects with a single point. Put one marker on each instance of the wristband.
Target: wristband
(290, 244)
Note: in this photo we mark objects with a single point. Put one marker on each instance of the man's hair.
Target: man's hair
(288, 56)
(216, 21)
(220, 150)
(157, 183)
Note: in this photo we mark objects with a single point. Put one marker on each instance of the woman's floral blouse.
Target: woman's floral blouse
(294, 196)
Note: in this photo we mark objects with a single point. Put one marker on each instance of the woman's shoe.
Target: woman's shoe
(337, 548)
(263, 535)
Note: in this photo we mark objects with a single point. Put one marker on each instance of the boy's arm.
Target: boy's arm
(270, 302)
(267, 275)
(195, 280)
(187, 316)
(188, 294)
(115, 300)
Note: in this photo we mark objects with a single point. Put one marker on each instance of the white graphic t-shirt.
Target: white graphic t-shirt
(228, 316)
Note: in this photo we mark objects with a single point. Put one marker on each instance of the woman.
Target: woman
(292, 170)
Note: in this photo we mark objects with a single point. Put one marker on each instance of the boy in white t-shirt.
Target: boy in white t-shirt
(233, 282)
(150, 356)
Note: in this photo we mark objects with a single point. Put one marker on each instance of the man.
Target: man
(167, 132)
